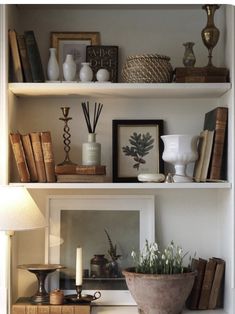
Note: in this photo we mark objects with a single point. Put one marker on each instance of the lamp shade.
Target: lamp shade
(18, 211)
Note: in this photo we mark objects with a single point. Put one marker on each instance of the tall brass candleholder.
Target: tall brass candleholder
(67, 166)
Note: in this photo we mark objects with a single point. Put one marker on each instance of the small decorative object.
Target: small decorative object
(159, 283)
(86, 73)
(210, 33)
(189, 58)
(104, 57)
(41, 271)
(113, 264)
(151, 177)
(99, 266)
(91, 151)
(69, 68)
(179, 150)
(102, 75)
(147, 68)
(67, 164)
(56, 297)
(169, 178)
(53, 67)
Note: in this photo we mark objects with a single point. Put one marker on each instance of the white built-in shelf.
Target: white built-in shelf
(121, 90)
(119, 186)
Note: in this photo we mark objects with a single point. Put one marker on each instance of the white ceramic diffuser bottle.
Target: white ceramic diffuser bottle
(91, 151)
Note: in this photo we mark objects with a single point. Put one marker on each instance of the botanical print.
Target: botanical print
(141, 146)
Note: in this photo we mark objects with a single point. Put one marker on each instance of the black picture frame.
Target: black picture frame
(123, 136)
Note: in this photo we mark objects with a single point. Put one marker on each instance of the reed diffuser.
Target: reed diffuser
(91, 151)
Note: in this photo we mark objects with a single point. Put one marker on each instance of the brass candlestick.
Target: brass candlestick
(210, 34)
(66, 136)
(80, 298)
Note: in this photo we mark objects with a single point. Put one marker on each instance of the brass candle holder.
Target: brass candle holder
(67, 166)
(80, 298)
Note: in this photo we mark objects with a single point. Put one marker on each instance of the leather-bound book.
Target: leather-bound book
(28, 150)
(96, 169)
(24, 58)
(216, 120)
(38, 156)
(20, 159)
(18, 73)
(207, 285)
(216, 294)
(34, 57)
(198, 265)
(48, 156)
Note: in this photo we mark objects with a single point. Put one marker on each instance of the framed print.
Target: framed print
(81, 221)
(74, 43)
(137, 148)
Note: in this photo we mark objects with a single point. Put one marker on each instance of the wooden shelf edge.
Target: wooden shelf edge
(133, 90)
(119, 186)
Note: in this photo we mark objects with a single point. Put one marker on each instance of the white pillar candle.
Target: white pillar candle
(79, 267)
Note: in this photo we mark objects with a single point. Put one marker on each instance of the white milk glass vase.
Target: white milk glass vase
(52, 66)
(69, 68)
(86, 73)
(179, 150)
(91, 151)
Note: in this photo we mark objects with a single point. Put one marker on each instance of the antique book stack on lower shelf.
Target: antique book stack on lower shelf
(34, 156)
(207, 292)
(23, 306)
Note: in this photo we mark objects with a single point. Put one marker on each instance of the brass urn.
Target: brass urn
(210, 34)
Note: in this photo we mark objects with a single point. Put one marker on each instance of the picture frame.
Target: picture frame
(74, 43)
(60, 246)
(127, 162)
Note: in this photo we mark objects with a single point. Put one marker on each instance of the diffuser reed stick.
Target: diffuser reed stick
(96, 114)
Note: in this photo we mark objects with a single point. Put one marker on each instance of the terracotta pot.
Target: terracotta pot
(159, 294)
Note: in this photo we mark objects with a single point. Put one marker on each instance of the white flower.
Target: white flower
(133, 254)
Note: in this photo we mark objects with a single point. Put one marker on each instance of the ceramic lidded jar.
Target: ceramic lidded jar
(53, 67)
(69, 68)
(91, 151)
(86, 73)
(99, 266)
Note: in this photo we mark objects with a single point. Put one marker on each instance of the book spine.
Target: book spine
(199, 266)
(206, 285)
(18, 74)
(38, 155)
(20, 159)
(24, 58)
(48, 156)
(50, 309)
(217, 285)
(19, 309)
(219, 142)
(96, 170)
(34, 57)
(26, 142)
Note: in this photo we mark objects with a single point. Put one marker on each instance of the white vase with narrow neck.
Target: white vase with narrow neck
(52, 66)
(86, 73)
(69, 68)
(179, 150)
(91, 151)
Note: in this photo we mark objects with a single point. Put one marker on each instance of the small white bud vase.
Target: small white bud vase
(69, 68)
(52, 66)
(91, 151)
(102, 75)
(86, 73)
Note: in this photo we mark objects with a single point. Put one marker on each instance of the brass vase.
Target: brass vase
(210, 34)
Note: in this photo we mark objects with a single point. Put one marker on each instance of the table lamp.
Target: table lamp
(18, 212)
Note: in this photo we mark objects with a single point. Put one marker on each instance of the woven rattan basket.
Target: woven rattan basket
(147, 68)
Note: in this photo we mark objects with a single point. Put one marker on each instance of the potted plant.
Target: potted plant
(159, 283)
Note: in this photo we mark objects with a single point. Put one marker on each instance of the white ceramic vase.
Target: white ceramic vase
(52, 66)
(102, 75)
(179, 150)
(91, 151)
(86, 73)
(69, 68)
